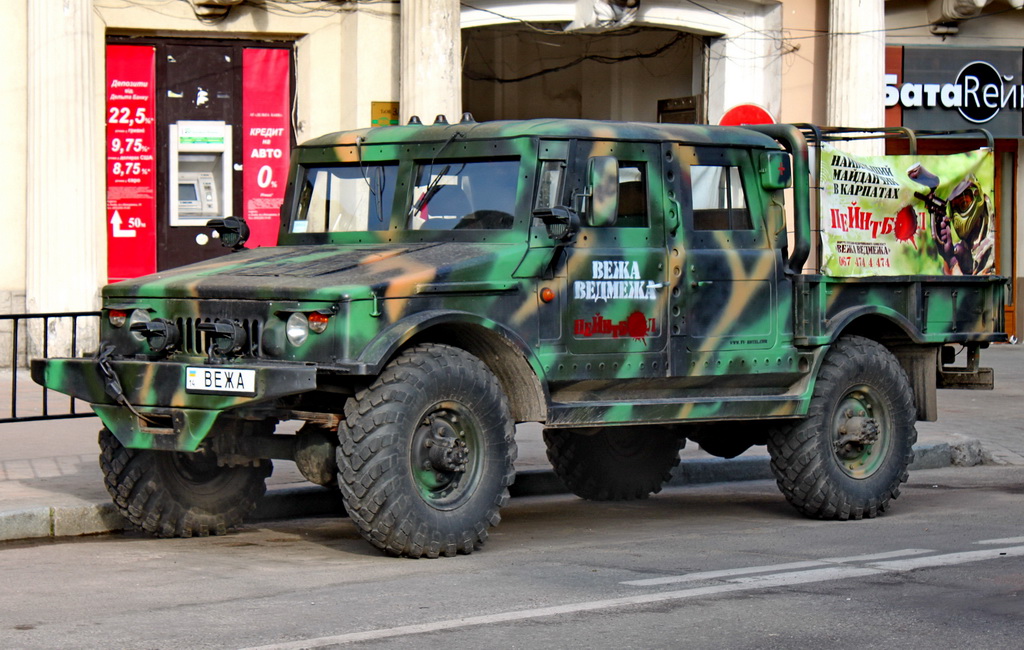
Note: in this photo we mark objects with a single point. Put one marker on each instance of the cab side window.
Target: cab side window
(718, 199)
(632, 195)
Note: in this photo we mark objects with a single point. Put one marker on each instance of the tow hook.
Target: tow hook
(111, 384)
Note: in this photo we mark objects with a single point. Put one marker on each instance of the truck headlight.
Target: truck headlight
(138, 316)
(297, 328)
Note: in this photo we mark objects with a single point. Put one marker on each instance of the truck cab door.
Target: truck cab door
(728, 291)
(614, 275)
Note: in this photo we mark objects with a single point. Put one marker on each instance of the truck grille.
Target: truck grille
(196, 342)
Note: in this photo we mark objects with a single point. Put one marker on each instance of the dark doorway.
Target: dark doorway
(194, 83)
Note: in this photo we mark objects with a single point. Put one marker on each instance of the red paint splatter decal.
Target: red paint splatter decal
(906, 225)
(636, 326)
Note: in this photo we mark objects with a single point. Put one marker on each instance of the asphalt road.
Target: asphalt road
(717, 566)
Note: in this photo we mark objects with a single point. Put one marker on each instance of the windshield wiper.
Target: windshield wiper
(433, 188)
(377, 190)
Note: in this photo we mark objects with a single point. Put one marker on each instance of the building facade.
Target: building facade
(131, 122)
(93, 89)
(960, 65)
(117, 107)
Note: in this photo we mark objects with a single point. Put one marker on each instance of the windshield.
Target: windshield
(449, 195)
(352, 198)
(464, 195)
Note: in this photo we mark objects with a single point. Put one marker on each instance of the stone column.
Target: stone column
(431, 66)
(746, 67)
(856, 65)
(65, 215)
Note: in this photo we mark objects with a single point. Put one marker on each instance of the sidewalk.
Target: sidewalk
(51, 486)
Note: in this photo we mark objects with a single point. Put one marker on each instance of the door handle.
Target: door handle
(701, 283)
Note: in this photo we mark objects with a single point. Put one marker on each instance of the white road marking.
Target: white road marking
(722, 573)
(1005, 540)
(803, 577)
(770, 568)
(879, 556)
(732, 585)
(949, 559)
(764, 582)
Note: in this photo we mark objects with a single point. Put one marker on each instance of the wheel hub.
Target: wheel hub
(856, 431)
(861, 432)
(446, 456)
(446, 446)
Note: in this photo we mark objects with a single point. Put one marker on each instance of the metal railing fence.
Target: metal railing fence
(30, 336)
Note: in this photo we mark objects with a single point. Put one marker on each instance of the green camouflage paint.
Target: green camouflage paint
(678, 312)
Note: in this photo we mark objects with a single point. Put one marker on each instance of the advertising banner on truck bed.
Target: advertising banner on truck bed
(907, 215)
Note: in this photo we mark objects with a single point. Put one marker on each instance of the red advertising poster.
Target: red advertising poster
(266, 93)
(131, 161)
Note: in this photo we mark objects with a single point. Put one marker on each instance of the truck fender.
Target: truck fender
(520, 377)
(915, 355)
(841, 322)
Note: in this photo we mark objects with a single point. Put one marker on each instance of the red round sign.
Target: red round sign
(746, 114)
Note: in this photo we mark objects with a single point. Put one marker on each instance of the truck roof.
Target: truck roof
(551, 128)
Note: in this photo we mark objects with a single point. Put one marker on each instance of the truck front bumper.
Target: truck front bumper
(173, 416)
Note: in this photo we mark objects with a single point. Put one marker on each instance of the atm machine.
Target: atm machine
(200, 161)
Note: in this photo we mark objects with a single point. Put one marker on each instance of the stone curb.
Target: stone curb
(307, 501)
(60, 521)
(934, 456)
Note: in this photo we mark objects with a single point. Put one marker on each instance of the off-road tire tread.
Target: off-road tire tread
(133, 479)
(589, 469)
(799, 461)
(372, 461)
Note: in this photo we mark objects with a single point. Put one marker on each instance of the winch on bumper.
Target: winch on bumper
(170, 405)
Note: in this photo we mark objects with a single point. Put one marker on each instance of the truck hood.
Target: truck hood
(334, 272)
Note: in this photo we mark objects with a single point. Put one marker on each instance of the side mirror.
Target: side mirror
(775, 169)
(603, 188)
(233, 231)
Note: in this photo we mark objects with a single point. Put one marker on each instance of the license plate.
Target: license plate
(220, 380)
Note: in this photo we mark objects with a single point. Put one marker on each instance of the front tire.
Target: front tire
(848, 458)
(177, 494)
(426, 454)
(613, 464)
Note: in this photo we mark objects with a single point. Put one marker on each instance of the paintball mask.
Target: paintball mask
(968, 210)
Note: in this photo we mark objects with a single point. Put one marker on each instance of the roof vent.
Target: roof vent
(467, 118)
(440, 119)
(415, 119)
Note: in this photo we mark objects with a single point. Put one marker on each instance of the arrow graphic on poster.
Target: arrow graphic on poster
(115, 221)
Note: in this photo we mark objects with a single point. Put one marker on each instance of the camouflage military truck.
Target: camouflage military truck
(436, 284)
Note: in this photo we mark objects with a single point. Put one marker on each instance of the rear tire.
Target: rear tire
(426, 454)
(177, 494)
(613, 464)
(848, 457)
